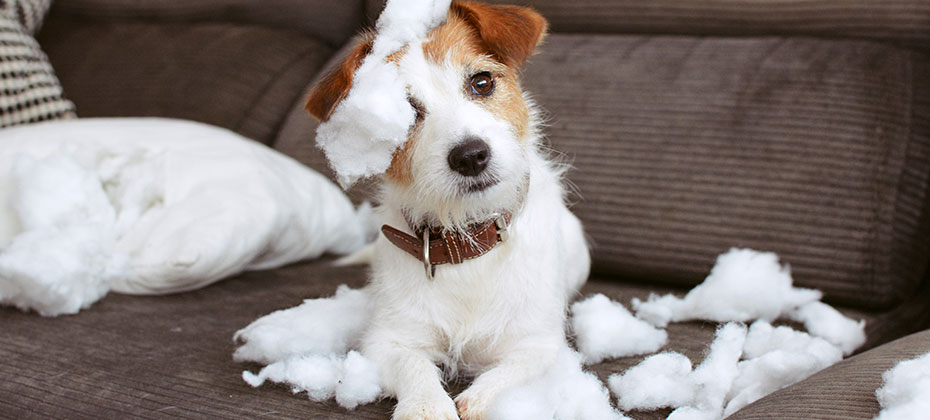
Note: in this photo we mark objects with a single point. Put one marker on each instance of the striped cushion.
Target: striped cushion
(29, 90)
(683, 147)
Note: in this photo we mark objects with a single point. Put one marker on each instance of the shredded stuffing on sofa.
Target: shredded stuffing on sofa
(723, 296)
(905, 394)
(306, 347)
(603, 330)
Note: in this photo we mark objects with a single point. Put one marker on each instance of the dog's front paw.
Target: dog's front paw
(473, 404)
(426, 409)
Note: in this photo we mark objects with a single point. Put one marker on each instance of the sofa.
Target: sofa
(800, 127)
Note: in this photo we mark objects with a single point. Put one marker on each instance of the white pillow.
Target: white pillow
(150, 206)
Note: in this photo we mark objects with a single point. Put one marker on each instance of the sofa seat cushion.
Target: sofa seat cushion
(171, 356)
(683, 147)
(241, 77)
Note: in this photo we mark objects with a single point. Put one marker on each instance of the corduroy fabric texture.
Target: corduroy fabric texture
(903, 22)
(332, 21)
(684, 147)
(29, 90)
(169, 357)
(844, 391)
(245, 78)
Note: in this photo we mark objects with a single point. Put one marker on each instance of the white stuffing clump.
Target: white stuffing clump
(351, 379)
(826, 322)
(747, 285)
(905, 394)
(308, 348)
(744, 285)
(776, 357)
(666, 379)
(605, 329)
(317, 326)
(65, 255)
(564, 392)
(659, 381)
(714, 377)
(372, 122)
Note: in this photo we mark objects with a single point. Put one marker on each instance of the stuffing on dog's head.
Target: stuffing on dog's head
(466, 157)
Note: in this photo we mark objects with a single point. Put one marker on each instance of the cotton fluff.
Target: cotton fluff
(905, 394)
(714, 377)
(366, 128)
(308, 348)
(351, 378)
(564, 392)
(744, 285)
(825, 321)
(775, 358)
(65, 255)
(661, 380)
(325, 326)
(698, 394)
(605, 329)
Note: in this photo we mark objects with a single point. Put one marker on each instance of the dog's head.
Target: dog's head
(467, 155)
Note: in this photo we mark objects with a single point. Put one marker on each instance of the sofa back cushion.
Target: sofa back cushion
(333, 21)
(686, 146)
(242, 77)
(904, 22)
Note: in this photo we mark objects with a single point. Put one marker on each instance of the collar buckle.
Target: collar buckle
(430, 268)
(501, 225)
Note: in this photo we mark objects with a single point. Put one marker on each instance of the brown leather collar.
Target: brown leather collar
(448, 247)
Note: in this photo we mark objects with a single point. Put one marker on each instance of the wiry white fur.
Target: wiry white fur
(435, 195)
(499, 317)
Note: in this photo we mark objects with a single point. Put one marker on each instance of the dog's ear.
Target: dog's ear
(327, 94)
(511, 33)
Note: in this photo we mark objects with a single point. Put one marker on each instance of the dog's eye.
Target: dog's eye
(482, 84)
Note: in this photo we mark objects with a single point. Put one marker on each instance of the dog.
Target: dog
(479, 254)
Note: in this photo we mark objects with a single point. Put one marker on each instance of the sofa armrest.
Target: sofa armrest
(845, 390)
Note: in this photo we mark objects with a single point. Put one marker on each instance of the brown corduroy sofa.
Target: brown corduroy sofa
(795, 126)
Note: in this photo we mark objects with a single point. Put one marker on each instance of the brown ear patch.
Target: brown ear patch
(327, 94)
(510, 33)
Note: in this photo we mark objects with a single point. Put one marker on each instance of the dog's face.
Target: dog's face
(467, 156)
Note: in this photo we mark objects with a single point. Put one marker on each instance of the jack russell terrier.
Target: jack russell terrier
(479, 254)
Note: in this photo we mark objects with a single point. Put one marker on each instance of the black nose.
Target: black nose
(470, 157)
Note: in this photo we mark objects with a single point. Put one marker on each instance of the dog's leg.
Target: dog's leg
(527, 360)
(415, 381)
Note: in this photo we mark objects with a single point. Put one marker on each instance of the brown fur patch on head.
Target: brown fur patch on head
(459, 41)
(327, 94)
(509, 33)
(401, 162)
